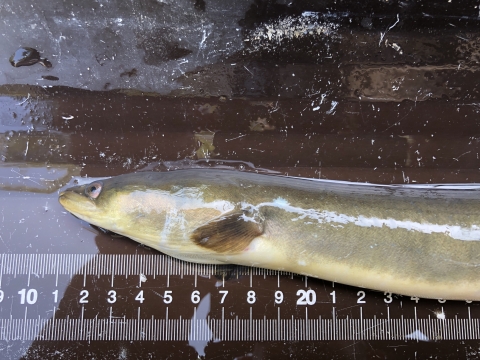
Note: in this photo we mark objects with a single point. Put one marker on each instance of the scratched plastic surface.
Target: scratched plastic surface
(375, 91)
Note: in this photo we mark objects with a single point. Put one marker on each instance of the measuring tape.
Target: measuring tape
(78, 297)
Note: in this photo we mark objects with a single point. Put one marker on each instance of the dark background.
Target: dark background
(377, 91)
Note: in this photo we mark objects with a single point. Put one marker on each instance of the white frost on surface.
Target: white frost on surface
(417, 335)
(269, 36)
(200, 333)
(440, 314)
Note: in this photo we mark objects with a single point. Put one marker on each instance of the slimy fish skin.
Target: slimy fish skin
(401, 239)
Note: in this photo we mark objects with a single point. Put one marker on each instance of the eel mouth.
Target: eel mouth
(77, 204)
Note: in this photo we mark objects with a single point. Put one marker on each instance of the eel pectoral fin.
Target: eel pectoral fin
(230, 233)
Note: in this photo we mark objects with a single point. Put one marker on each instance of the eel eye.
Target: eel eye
(94, 189)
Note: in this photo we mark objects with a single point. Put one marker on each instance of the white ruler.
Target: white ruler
(77, 297)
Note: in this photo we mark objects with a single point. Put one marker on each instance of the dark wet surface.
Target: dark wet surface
(383, 92)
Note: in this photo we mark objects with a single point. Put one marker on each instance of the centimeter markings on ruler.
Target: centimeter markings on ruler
(109, 264)
(207, 328)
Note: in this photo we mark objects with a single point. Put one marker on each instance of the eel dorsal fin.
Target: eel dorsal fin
(230, 233)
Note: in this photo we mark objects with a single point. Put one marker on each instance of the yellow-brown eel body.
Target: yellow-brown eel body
(412, 241)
